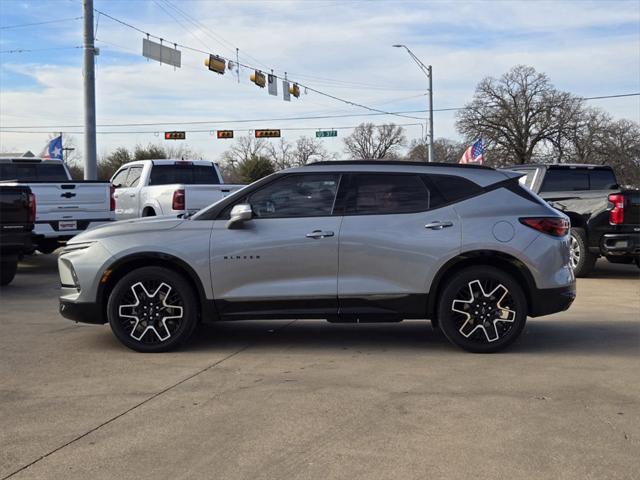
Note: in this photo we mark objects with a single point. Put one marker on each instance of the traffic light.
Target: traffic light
(215, 64)
(225, 133)
(294, 90)
(175, 135)
(258, 78)
(267, 133)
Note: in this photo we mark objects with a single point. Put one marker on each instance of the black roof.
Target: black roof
(397, 162)
(560, 165)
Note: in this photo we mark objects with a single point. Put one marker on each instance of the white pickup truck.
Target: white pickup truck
(65, 207)
(147, 188)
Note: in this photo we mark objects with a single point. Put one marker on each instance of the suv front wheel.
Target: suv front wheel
(152, 309)
(482, 309)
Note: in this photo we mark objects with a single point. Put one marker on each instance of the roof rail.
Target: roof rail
(398, 162)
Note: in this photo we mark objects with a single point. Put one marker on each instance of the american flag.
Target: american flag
(473, 154)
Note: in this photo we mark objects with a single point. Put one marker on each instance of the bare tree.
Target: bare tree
(310, 150)
(517, 113)
(280, 154)
(243, 148)
(444, 149)
(371, 142)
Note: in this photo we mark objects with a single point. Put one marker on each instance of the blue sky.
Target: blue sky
(339, 47)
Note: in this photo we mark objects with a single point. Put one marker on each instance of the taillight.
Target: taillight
(616, 214)
(32, 208)
(178, 200)
(112, 198)
(556, 226)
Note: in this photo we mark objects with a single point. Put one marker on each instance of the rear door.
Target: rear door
(395, 232)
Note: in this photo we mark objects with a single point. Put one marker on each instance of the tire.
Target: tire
(581, 259)
(500, 304)
(136, 309)
(623, 260)
(47, 247)
(8, 268)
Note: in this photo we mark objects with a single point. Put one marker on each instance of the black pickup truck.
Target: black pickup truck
(17, 215)
(605, 219)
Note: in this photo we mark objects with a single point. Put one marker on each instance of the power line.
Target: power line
(319, 92)
(7, 27)
(272, 119)
(25, 50)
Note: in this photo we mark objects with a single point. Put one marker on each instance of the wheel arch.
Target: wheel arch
(501, 260)
(122, 266)
(147, 209)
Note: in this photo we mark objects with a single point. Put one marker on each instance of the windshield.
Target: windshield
(33, 172)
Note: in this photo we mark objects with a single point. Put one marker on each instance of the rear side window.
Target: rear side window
(380, 194)
(33, 172)
(184, 172)
(453, 188)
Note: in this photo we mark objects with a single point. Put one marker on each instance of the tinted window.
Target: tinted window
(296, 196)
(134, 176)
(119, 179)
(454, 188)
(602, 180)
(558, 180)
(184, 172)
(384, 194)
(26, 172)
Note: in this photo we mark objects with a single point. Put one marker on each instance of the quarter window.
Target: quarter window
(454, 188)
(296, 196)
(379, 194)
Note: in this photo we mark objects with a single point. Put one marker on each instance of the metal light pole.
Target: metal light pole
(427, 70)
(88, 71)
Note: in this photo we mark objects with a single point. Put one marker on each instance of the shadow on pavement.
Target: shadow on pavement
(540, 336)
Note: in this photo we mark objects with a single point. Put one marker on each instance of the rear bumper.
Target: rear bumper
(49, 229)
(620, 244)
(545, 301)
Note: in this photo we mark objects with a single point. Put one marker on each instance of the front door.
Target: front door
(126, 194)
(283, 263)
(396, 230)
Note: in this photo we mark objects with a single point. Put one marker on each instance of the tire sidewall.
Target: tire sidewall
(458, 281)
(8, 268)
(587, 259)
(176, 282)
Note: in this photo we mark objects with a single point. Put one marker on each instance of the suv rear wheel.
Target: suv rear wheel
(581, 259)
(152, 309)
(482, 309)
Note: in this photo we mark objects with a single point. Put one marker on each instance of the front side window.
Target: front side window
(381, 194)
(310, 195)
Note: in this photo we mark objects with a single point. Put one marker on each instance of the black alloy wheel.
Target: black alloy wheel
(482, 309)
(152, 309)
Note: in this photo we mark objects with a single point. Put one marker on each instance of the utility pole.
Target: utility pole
(427, 70)
(88, 71)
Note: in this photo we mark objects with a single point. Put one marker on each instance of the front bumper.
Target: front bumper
(545, 301)
(620, 244)
(82, 312)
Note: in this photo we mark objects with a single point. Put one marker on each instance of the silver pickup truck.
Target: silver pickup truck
(65, 207)
(148, 188)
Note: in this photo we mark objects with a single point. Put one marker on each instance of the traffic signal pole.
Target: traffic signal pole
(88, 72)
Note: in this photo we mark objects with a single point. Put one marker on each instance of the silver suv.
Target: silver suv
(464, 246)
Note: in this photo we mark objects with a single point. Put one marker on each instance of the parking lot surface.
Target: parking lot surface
(313, 400)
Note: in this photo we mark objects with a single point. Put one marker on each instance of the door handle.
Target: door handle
(319, 234)
(437, 225)
(132, 195)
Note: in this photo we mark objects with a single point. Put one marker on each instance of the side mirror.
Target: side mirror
(240, 213)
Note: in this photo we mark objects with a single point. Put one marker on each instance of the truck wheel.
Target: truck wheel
(152, 309)
(482, 309)
(47, 247)
(581, 259)
(149, 212)
(8, 267)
